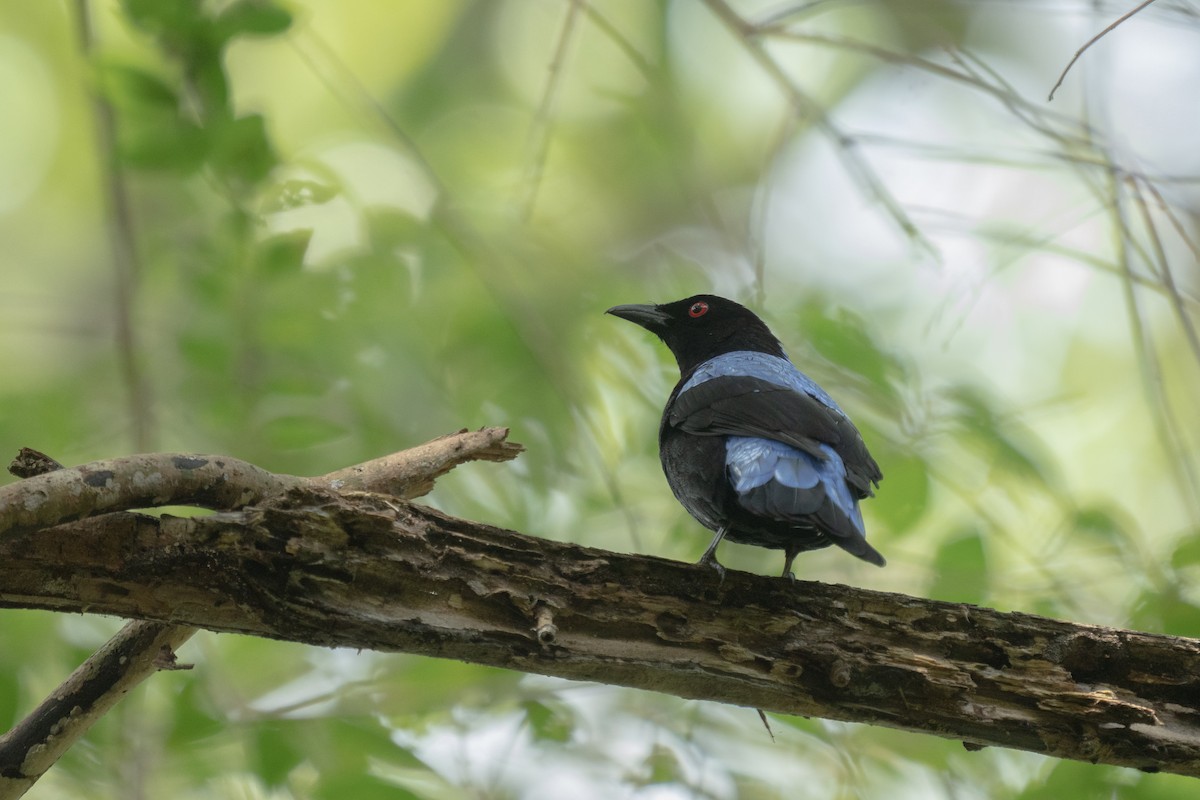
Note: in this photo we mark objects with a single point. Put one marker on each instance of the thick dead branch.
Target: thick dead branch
(370, 572)
(52, 493)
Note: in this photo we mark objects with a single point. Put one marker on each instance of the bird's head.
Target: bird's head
(701, 327)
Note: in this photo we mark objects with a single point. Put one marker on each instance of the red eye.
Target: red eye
(698, 309)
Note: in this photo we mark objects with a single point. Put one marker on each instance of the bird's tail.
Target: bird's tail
(860, 548)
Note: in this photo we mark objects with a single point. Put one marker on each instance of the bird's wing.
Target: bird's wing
(738, 405)
(777, 481)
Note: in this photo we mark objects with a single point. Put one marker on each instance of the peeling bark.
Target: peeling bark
(371, 572)
(53, 494)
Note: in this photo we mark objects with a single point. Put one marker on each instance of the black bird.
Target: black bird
(752, 447)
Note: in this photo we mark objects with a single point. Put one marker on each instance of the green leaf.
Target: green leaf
(273, 753)
(242, 151)
(960, 569)
(255, 17)
(844, 340)
(173, 17)
(662, 766)
(161, 143)
(151, 133)
(343, 750)
(206, 70)
(1166, 611)
(548, 723)
(283, 253)
(130, 88)
(1104, 527)
(1181, 618)
(192, 720)
(1071, 779)
(1099, 522)
(391, 230)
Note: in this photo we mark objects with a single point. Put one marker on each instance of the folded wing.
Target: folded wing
(750, 406)
(792, 455)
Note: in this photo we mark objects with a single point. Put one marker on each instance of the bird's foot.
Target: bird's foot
(710, 560)
(788, 557)
(710, 555)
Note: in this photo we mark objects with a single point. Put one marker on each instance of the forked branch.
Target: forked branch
(52, 494)
(366, 571)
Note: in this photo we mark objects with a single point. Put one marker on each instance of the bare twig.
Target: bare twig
(123, 243)
(1062, 76)
(223, 483)
(55, 494)
(34, 744)
(1004, 94)
(804, 106)
(1164, 267)
(539, 132)
(411, 473)
(135, 653)
(476, 248)
(1166, 425)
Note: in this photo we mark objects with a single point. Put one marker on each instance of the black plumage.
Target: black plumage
(753, 448)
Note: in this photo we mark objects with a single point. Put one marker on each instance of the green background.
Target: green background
(350, 227)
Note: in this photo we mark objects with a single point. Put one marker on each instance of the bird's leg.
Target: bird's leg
(709, 559)
(789, 555)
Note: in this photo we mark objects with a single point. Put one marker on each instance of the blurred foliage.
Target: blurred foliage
(355, 227)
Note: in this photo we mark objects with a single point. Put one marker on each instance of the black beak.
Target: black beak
(649, 317)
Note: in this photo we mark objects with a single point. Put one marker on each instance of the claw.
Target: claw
(710, 555)
(789, 556)
(709, 559)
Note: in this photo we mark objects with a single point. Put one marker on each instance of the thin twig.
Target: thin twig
(124, 252)
(1165, 424)
(539, 133)
(805, 107)
(1036, 117)
(475, 248)
(135, 653)
(606, 26)
(142, 648)
(1164, 271)
(1003, 93)
(760, 211)
(1091, 42)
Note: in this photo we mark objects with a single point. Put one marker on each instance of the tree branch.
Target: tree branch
(138, 651)
(370, 572)
(52, 494)
(1062, 76)
(220, 482)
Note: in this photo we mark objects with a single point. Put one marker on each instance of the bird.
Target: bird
(752, 447)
